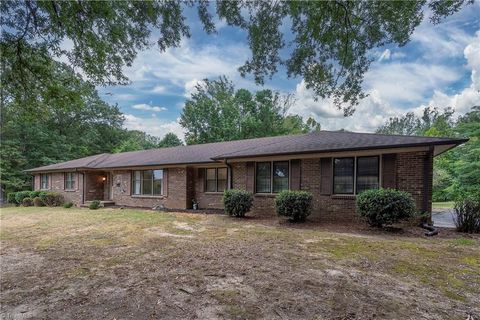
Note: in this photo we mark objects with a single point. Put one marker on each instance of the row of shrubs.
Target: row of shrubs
(378, 207)
(37, 199)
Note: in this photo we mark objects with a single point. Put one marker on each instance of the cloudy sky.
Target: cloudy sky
(440, 67)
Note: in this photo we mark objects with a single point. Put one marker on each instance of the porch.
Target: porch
(98, 186)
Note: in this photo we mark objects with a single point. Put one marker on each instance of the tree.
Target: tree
(216, 111)
(432, 123)
(456, 172)
(134, 140)
(328, 41)
(58, 120)
(170, 140)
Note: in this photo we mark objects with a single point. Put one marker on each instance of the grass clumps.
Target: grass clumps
(94, 205)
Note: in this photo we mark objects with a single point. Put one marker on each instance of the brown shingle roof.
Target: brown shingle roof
(323, 141)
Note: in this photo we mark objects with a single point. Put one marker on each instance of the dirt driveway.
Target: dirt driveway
(132, 264)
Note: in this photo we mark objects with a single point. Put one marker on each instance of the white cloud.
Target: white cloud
(159, 89)
(409, 83)
(394, 83)
(154, 126)
(385, 55)
(190, 87)
(185, 63)
(147, 107)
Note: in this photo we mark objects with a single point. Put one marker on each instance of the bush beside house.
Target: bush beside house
(296, 205)
(237, 202)
(466, 215)
(381, 207)
(36, 198)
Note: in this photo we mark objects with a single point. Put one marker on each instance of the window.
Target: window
(280, 176)
(367, 173)
(44, 181)
(216, 180)
(69, 180)
(348, 179)
(343, 175)
(147, 182)
(272, 176)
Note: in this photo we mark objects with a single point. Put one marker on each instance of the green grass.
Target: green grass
(443, 205)
(267, 260)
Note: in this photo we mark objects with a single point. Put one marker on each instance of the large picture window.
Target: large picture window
(147, 182)
(44, 181)
(69, 180)
(272, 177)
(354, 175)
(216, 180)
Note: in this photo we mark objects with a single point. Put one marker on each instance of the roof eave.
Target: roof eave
(455, 142)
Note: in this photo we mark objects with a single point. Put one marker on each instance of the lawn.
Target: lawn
(443, 205)
(139, 264)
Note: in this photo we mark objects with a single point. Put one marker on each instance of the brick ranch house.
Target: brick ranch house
(333, 166)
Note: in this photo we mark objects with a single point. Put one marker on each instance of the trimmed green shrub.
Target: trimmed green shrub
(11, 198)
(43, 195)
(237, 202)
(27, 202)
(94, 205)
(68, 204)
(296, 205)
(34, 194)
(20, 195)
(466, 215)
(53, 199)
(381, 207)
(37, 202)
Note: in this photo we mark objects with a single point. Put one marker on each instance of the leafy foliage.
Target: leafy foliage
(27, 202)
(296, 205)
(382, 207)
(94, 205)
(217, 111)
(19, 196)
(456, 172)
(237, 202)
(68, 205)
(52, 199)
(329, 45)
(467, 214)
(37, 202)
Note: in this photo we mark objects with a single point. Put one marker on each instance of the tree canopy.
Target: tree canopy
(216, 111)
(328, 42)
(456, 172)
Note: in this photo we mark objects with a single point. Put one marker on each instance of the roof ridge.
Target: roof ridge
(386, 134)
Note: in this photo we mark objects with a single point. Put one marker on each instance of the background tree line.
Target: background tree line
(50, 113)
(456, 172)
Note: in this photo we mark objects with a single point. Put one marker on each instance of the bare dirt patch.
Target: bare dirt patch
(135, 264)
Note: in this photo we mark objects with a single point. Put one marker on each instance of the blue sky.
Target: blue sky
(440, 66)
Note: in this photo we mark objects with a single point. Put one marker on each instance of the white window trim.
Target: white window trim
(380, 170)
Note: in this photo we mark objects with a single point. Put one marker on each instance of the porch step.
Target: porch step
(103, 203)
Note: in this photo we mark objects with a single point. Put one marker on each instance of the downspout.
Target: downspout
(230, 174)
(83, 187)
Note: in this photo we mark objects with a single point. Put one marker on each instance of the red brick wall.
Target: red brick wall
(410, 171)
(176, 193)
(57, 184)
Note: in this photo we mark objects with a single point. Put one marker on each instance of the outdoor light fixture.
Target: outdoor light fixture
(104, 178)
